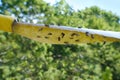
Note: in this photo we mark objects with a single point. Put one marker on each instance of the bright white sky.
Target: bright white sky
(109, 5)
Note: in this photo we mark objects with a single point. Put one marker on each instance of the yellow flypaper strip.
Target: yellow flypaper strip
(54, 34)
(6, 23)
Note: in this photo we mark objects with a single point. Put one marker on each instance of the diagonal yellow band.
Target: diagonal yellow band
(57, 34)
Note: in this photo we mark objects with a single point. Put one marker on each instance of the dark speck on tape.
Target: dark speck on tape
(49, 33)
(104, 42)
(77, 40)
(87, 33)
(40, 29)
(62, 34)
(46, 37)
(58, 38)
(74, 34)
(46, 25)
(66, 42)
(38, 36)
(92, 36)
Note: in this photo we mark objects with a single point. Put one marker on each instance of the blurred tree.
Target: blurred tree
(21, 58)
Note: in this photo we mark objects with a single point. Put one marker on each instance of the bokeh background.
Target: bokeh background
(25, 59)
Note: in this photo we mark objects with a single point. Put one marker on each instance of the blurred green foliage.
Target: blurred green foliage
(24, 59)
